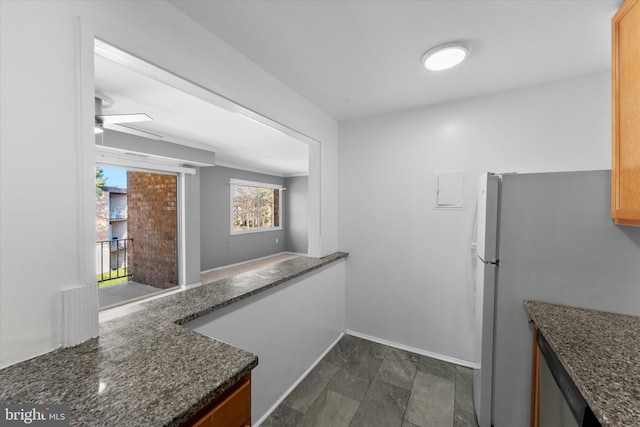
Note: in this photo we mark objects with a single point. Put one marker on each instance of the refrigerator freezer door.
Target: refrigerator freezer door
(486, 272)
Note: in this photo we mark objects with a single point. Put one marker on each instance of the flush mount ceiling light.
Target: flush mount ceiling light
(444, 56)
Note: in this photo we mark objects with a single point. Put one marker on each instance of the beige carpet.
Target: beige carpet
(224, 272)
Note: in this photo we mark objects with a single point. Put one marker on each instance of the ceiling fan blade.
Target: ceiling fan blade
(123, 118)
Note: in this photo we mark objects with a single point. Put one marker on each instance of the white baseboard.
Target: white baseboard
(442, 357)
(298, 381)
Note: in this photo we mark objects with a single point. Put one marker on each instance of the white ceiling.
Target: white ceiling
(186, 119)
(361, 58)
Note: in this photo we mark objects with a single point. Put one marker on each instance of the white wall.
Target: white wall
(306, 316)
(409, 270)
(41, 85)
(46, 244)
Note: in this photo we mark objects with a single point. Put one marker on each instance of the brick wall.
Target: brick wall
(152, 224)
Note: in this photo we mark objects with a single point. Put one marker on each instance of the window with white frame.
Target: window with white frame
(255, 206)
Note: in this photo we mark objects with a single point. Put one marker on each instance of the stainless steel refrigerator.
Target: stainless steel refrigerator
(546, 237)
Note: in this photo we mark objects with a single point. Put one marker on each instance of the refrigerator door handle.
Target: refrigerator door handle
(495, 262)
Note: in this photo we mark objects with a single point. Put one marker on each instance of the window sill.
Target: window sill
(259, 230)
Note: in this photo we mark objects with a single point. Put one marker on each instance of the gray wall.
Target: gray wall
(558, 245)
(217, 246)
(295, 211)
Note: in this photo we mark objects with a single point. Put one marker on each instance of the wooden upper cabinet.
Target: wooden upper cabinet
(625, 169)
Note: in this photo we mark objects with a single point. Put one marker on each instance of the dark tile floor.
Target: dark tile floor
(360, 383)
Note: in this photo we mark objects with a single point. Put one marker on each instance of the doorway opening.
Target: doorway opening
(136, 234)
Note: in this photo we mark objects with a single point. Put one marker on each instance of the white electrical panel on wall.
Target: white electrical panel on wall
(448, 187)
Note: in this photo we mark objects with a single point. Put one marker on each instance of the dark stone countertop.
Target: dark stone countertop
(601, 353)
(145, 369)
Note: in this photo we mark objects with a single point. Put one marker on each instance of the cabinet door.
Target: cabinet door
(234, 411)
(625, 188)
(231, 409)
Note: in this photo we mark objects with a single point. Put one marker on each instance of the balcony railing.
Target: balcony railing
(116, 215)
(114, 259)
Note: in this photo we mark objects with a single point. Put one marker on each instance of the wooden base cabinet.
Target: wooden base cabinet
(625, 77)
(231, 409)
(535, 382)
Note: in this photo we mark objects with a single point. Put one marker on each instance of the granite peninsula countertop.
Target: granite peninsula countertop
(601, 353)
(145, 369)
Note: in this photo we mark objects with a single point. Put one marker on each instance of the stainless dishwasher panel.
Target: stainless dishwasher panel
(561, 404)
(554, 410)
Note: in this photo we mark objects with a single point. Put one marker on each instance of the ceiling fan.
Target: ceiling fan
(113, 121)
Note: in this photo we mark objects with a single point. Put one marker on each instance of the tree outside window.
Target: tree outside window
(255, 208)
